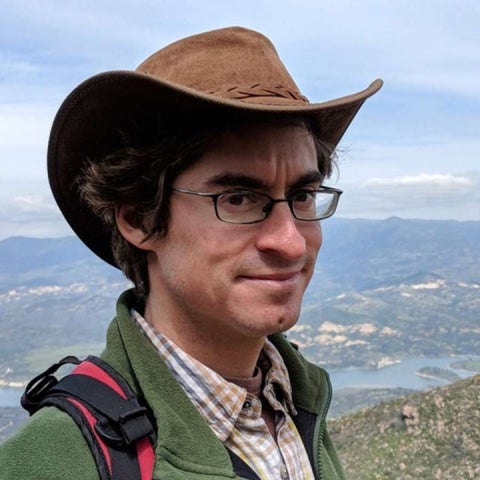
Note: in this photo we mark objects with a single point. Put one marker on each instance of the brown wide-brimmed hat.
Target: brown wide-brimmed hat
(222, 72)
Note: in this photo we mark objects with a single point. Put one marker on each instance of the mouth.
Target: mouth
(277, 279)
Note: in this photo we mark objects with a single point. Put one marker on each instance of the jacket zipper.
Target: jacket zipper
(321, 430)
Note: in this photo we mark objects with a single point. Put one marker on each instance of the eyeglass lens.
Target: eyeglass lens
(249, 206)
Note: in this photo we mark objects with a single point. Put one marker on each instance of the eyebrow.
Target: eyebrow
(231, 179)
(310, 177)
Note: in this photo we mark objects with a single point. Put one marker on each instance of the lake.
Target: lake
(398, 375)
(10, 397)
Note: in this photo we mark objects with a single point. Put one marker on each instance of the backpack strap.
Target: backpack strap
(118, 429)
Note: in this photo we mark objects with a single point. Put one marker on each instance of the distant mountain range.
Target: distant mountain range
(382, 289)
(356, 255)
(367, 254)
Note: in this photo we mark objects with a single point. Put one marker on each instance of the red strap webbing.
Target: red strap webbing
(118, 430)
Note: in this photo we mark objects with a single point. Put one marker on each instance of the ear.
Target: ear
(130, 228)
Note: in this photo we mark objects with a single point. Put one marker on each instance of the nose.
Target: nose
(280, 233)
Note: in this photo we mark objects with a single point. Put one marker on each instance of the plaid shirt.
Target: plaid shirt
(235, 416)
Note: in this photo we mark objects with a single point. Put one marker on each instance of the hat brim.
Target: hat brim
(89, 122)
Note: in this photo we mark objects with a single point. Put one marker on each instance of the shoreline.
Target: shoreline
(12, 384)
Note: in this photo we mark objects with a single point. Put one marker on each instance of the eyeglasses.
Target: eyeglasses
(248, 206)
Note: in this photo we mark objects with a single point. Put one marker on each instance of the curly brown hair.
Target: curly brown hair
(140, 173)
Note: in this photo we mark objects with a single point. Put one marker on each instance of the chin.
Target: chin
(283, 322)
(260, 320)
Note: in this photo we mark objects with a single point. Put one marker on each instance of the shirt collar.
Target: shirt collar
(218, 400)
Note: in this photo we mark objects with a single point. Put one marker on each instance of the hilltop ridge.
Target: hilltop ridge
(431, 435)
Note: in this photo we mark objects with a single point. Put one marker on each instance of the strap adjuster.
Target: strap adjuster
(127, 429)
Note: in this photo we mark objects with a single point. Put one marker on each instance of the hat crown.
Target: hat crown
(234, 63)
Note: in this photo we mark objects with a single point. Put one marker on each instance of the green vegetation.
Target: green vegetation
(472, 365)
(430, 435)
(439, 373)
(349, 400)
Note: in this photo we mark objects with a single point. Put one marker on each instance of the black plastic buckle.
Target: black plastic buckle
(135, 425)
(129, 427)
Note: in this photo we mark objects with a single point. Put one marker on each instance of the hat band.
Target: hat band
(257, 90)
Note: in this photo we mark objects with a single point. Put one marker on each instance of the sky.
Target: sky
(413, 151)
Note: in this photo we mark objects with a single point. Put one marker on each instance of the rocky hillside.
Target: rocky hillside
(434, 435)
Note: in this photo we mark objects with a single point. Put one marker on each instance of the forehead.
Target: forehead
(269, 152)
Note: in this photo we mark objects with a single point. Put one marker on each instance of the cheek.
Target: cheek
(206, 243)
(320, 237)
(313, 237)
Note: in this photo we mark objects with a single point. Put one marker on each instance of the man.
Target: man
(201, 176)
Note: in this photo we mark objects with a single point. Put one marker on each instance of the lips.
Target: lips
(279, 277)
(273, 279)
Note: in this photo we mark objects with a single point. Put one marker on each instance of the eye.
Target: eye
(304, 199)
(302, 196)
(237, 199)
(240, 200)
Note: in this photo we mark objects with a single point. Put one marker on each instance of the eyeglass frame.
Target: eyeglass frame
(272, 201)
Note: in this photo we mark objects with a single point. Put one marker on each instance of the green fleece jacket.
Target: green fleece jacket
(51, 447)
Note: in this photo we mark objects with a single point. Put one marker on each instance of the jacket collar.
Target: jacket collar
(136, 359)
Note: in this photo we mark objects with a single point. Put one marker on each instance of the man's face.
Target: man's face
(238, 281)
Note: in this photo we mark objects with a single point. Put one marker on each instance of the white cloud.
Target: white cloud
(407, 145)
(407, 155)
(423, 180)
(34, 227)
(31, 215)
(18, 67)
(427, 46)
(37, 204)
(428, 43)
(428, 196)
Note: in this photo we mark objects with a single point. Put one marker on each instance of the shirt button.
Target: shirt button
(247, 404)
(283, 472)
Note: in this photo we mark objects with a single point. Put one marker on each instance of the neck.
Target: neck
(226, 353)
